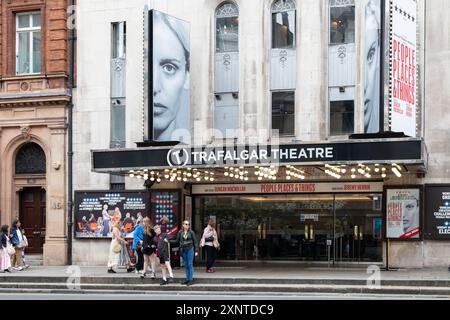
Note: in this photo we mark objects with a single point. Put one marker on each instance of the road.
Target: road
(208, 296)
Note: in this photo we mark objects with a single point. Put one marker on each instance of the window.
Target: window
(30, 159)
(283, 112)
(119, 35)
(342, 53)
(226, 70)
(117, 123)
(28, 43)
(116, 182)
(227, 28)
(341, 117)
(283, 24)
(342, 24)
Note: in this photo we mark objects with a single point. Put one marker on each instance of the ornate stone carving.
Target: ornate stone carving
(25, 131)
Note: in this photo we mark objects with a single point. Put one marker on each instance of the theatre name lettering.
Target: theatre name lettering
(261, 155)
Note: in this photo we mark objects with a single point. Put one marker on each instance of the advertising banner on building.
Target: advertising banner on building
(372, 56)
(403, 213)
(97, 211)
(403, 67)
(169, 72)
(283, 188)
(437, 212)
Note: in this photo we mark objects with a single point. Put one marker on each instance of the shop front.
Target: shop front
(295, 226)
(325, 206)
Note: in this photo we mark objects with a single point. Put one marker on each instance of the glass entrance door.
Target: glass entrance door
(294, 227)
(357, 229)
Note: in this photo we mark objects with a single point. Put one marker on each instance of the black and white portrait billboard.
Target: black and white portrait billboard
(372, 55)
(169, 78)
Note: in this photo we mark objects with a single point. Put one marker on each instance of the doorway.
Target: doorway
(32, 217)
(295, 227)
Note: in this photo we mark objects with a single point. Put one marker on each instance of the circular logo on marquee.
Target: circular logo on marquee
(177, 157)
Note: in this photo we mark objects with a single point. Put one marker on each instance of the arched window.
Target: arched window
(227, 28)
(283, 66)
(226, 70)
(342, 67)
(30, 159)
(283, 24)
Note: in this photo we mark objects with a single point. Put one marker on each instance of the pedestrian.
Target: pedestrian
(162, 252)
(164, 221)
(210, 243)
(23, 251)
(148, 248)
(138, 237)
(5, 259)
(18, 243)
(118, 253)
(188, 248)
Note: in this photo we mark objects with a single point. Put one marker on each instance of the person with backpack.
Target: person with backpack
(163, 253)
(189, 249)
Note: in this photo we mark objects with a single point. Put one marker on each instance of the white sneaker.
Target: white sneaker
(19, 269)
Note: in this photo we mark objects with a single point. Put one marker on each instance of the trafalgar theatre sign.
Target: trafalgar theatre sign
(371, 151)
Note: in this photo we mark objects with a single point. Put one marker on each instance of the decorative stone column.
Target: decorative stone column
(55, 247)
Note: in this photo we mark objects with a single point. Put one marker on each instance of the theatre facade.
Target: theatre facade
(281, 149)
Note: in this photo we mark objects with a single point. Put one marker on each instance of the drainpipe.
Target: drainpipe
(70, 86)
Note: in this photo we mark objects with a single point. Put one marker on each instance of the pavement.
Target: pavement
(289, 279)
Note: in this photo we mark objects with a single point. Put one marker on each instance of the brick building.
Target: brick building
(33, 98)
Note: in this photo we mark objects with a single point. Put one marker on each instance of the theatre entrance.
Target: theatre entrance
(295, 227)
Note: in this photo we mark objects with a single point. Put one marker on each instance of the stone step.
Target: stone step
(145, 288)
(22, 277)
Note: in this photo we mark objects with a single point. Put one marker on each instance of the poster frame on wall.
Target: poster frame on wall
(152, 214)
(77, 193)
(427, 235)
(421, 210)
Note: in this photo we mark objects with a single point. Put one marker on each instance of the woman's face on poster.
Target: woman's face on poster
(170, 75)
(372, 59)
(411, 215)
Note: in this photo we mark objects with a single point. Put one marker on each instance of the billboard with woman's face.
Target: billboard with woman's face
(372, 70)
(169, 66)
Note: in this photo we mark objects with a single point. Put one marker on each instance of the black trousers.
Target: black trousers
(140, 260)
(211, 255)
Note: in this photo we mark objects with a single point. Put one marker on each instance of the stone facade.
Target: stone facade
(33, 109)
(92, 125)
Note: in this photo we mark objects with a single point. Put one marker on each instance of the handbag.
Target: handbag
(10, 249)
(22, 244)
(209, 239)
(117, 247)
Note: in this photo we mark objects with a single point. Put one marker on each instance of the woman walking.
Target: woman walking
(5, 260)
(148, 248)
(162, 251)
(188, 247)
(18, 243)
(138, 238)
(210, 242)
(118, 253)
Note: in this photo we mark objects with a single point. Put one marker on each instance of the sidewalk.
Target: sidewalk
(257, 272)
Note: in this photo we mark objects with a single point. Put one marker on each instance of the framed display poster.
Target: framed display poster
(96, 212)
(165, 205)
(403, 213)
(437, 212)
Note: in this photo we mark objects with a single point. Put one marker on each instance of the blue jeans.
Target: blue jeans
(188, 258)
